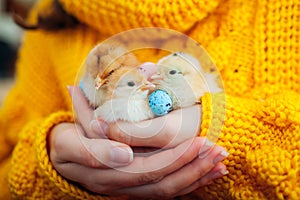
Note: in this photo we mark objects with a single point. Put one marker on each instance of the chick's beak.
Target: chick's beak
(99, 82)
(148, 86)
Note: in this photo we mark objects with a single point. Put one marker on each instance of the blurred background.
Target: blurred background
(10, 40)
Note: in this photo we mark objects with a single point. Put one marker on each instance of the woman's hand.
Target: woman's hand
(82, 154)
(168, 173)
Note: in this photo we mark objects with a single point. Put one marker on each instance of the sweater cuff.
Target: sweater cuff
(43, 157)
(72, 190)
(42, 153)
(213, 115)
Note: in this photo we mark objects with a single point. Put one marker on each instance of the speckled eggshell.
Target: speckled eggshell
(160, 102)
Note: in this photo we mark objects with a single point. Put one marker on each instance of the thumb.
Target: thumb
(68, 144)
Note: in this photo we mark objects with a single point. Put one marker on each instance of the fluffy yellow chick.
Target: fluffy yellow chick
(183, 78)
(101, 62)
(126, 97)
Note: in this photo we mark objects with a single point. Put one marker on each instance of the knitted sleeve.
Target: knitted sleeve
(263, 140)
(35, 105)
(31, 97)
(118, 15)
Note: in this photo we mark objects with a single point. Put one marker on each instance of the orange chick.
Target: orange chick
(126, 97)
(100, 63)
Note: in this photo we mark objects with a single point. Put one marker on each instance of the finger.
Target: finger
(218, 171)
(142, 170)
(153, 170)
(163, 132)
(84, 114)
(171, 185)
(69, 145)
(88, 178)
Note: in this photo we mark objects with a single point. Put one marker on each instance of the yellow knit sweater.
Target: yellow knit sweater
(255, 45)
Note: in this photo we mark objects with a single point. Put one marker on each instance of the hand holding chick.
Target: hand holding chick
(118, 85)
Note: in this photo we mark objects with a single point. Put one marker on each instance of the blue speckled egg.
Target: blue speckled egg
(160, 102)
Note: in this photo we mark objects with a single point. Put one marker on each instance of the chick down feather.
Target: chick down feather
(182, 76)
(127, 97)
(102, 61)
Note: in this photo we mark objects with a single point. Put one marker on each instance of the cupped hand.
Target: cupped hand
(165, 174)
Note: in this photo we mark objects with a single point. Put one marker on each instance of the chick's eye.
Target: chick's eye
(131, 84)
(172, 72)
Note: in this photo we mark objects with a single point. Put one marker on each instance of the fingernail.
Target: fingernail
(99, 127)
(121, 155)
(205, 148)
(220, 156)
(220, 173)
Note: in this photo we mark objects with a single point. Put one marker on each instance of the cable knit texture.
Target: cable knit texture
(255, 45)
